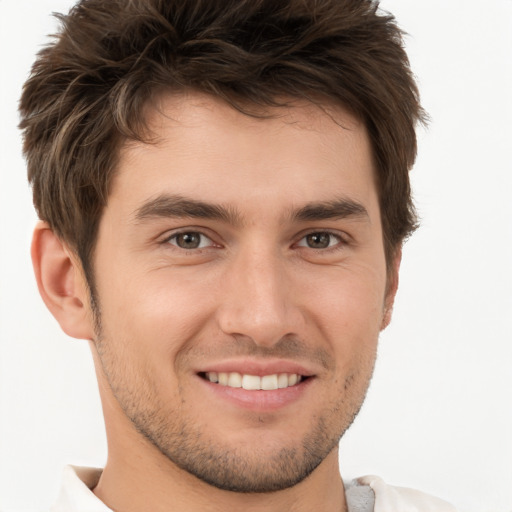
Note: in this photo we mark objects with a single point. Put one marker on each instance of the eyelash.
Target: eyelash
(201, 235)
(341, 241)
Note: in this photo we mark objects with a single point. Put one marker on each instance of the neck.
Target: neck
(134, 483)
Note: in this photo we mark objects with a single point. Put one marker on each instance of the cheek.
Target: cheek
(348, 316)
(349, 305)
(153, 313)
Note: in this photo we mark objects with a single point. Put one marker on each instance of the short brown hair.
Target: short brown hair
(87, 90)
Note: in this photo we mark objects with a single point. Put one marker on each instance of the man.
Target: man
(223, 192)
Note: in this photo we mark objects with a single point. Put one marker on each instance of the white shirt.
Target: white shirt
(366, 494)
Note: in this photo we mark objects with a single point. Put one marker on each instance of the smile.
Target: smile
(254, 382)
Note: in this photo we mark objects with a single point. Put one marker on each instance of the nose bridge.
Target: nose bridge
(257, 301)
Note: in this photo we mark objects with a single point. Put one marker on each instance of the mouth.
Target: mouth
(249, 382)
(258, 385)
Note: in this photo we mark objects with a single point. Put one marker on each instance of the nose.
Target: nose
(258, 298)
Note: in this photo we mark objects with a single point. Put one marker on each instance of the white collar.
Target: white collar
(75, 491)
(366, 494)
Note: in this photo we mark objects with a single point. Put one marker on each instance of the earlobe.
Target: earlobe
(391, 288)
(61, 283)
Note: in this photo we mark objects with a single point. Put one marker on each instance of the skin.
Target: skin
(260, 289)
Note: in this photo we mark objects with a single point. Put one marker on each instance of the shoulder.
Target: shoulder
(372, 494)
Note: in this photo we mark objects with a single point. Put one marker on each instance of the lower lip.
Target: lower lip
(259, 400)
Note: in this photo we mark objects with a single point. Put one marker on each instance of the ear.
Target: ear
(391, 288)
(61, 283)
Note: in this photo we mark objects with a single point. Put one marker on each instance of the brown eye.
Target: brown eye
(320, 240)
(190, 240)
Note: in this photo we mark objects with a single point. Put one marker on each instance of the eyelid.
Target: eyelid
(172, 234)
(204, 241)
(343, 239)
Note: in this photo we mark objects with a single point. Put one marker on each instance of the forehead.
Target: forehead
(201, 146)
(192, 110)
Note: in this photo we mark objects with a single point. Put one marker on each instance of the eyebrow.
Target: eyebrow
(168, 206)
(177, 206)
(331, 210)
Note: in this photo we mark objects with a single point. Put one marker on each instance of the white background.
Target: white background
(439, 413)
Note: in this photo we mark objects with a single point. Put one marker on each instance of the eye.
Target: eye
(320, 240)
(190, 240)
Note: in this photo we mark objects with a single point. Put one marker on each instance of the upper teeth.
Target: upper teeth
(254, 382)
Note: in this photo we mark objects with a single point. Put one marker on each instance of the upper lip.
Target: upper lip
(257, 367)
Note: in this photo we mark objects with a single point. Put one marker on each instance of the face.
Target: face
(241, 284)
